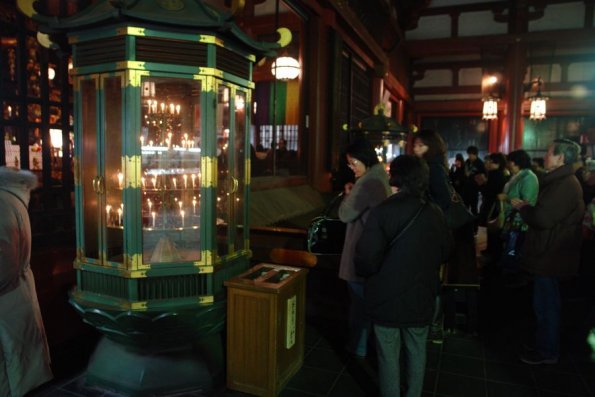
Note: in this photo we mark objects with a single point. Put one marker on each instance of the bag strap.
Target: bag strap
(394, 240)
(332, 203)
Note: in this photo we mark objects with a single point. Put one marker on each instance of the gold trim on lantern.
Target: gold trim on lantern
(208, 166)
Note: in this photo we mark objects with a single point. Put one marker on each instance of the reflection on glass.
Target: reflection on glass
(239, 167)
(171, 174)
(33, 68)
(55, 115)
(224, 182)
(12, 149)
(35, 152)
(89, 170)
(8, 65)
(113, 189)
(10, 110)
(34, 113)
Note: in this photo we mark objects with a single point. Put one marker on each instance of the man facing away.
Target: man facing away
(552, 245)
(402, 275)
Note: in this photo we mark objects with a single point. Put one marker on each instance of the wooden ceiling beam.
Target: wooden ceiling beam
(571, 38)
(498, 64)
(489, 5)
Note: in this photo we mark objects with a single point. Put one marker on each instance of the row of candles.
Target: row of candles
(186, 142)
(114, 218)
(154, 182)
(171, 108)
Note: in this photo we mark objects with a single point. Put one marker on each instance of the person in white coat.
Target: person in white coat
(24, 352)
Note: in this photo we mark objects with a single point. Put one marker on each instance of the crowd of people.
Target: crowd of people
(401, 248)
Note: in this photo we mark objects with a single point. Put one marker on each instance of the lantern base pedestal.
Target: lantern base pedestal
(135, 372)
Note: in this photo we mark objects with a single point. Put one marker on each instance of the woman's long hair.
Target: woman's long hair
(436, 146)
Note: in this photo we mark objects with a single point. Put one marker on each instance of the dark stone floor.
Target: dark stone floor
(478, 362)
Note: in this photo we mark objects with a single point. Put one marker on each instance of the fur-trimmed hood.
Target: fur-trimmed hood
(19, 182)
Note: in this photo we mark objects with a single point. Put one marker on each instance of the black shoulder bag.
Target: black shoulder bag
(326, 235)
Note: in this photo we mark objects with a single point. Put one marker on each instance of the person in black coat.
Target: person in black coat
(402, 274)
(474, 168)
(457, 174)
(462, 265)
(490, 188)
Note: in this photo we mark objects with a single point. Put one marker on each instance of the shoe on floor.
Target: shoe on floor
(535, 358)
(436, 335)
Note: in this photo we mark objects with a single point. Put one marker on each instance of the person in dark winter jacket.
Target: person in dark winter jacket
(461, 267)
(551, 251)
(474, 168)
(402, 274)
(457, 174)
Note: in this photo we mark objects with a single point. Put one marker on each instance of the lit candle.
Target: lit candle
(119, 216)
(182, 214)
(154, 180)
(154, 106)
(149, 103)
(162, 107)
(185, 181)
(194, 205)
(180, 204)
(142, 140)
(151, 142)
(172, 108)
(150, 204)
(167, 142)
(175, 182)
(120, 179)
(183, 143)
(108, 210)
(153, 216)
(193, 178)
(185, 136)
(177, 109)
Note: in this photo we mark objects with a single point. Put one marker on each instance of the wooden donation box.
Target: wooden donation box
(265, 328)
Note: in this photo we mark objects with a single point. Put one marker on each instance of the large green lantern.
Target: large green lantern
(162, 171)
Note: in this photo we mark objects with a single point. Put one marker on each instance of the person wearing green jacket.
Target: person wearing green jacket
(523, 185)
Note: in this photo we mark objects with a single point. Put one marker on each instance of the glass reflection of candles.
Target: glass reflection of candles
(185, 177)
(153, 216)
(172, 108)
(162, 107)
(150, 204)
(194, 205)
(182, 214)
(151, 142)
(193, 178)
(177, 109)
(180, 204)
(142, 140)
(175, 182)
(119, 216)
(120, 179)
(108, 209)
(142, 181)
(154, 180)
